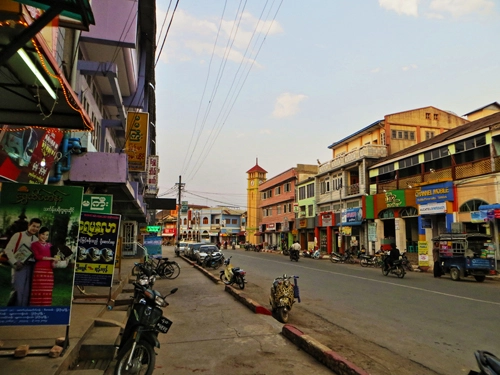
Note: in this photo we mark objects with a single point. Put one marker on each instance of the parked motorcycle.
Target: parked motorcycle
(407, 264)
(213, 260)
(307, 253)
(397, 267)
(282, 297)
(488, 363)
(294, 255)
(316, 254)
(342, 258)
(368, 260)
(286, 251)
(136, 352)
(232, 275)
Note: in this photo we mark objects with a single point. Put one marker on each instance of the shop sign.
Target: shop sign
(152, 175)
(184, 206)
(346, 231)
(372, 231)
(395, 198)
(435, 193)
(270, 226)
(423, 253)
(352, 216)
(479, 216)
(326, 220)
(303, 223)
(432, 208)
(136, 143)
(97, 203)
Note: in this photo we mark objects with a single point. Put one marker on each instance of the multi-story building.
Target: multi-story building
(94, 80)
(255, 176)
(305, 208)
(342, 182)
(277, 227)
(212, 224)
(444, 184)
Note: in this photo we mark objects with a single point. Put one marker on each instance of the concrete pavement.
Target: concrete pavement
(210, 334)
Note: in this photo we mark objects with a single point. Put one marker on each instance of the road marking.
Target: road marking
(388, 282)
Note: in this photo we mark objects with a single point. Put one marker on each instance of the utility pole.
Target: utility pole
(179, 211)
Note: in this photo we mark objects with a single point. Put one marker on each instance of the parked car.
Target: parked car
(203, 251)
(191, 248)
(180, 248)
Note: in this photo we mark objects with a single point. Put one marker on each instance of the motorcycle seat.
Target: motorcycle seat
(490, 361)
(236, 269)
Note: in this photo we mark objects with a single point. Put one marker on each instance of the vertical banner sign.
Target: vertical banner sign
(27, 154)
(95, 263)
(152, 176)
(137, 137)
(38, 222)
(423, 253)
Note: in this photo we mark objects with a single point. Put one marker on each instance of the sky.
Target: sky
(279, 81)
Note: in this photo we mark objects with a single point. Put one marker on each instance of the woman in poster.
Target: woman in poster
(43, 276)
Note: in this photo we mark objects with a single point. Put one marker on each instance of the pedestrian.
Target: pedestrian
(43, 276)
(18, 251)
(437, 262)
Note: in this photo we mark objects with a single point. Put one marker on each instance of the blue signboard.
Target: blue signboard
(352, 216)
(153, 244)
(436, 193)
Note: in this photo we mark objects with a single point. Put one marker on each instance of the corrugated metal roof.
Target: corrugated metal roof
(354, 135)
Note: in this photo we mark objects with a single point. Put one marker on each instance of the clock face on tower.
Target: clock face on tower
(260, 182)
(252, 182)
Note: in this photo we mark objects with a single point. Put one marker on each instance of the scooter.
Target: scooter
(397, 267)
(342, 258)
(232, 275)
(213, 260)
(294, 255)
(316, 254)
(488, 363)
(282, 297)
(136, 351)
(307, 253)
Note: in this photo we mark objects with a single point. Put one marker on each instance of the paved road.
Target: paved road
(434, 322)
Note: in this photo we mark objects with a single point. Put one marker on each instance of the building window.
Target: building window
(429, 135)
(436, 116)
(310, 210)
(234, 221)
(310, 190)
(400, 134)
(277, 190)
(287, 187)
(325, 185)
(302, 192)
(278, 210)
(382, 139)
(325, 208)
(284, 209)
(289, 207)
(472, 205)
(205, 220)
(427, 116)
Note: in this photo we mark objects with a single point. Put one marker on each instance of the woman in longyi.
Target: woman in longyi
(43, 276)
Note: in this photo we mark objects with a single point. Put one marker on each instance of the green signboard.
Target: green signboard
(102, 203)
(153, 228)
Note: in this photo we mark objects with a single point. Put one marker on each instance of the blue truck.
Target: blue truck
(466, 254)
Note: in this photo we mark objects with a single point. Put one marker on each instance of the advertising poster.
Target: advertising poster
(423, 253)
(95, 262)
(136, 144)
(27, 154)
(153, 244)
(39, 227)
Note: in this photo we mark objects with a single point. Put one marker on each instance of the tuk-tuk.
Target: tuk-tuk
(466, 254)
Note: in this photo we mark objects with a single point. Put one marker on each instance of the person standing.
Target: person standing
(437, 262)
(22, 269)
(43, 276)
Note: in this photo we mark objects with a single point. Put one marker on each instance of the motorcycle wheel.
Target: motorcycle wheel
(282, 314)
(224, 279)
(334, 259)
(241, 282)
(401, 272)
(143, 360)
(385, 271)
(363, 262)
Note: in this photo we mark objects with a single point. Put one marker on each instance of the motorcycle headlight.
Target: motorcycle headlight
(143, 281)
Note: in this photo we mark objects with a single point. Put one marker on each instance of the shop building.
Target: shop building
(305, 209)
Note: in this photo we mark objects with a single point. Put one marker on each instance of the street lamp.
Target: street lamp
(341, 207)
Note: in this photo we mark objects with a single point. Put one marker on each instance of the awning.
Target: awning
(213, 234)
(167, 234)
(33, 89)
(494, 206)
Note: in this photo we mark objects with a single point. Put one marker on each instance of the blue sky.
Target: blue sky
(282, 80)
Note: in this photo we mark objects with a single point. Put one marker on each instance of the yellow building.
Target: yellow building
(256, 176)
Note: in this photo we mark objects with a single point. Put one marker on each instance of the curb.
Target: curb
(248, 302)
(321, 352)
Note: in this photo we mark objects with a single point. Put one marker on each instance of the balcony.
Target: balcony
(364, 152)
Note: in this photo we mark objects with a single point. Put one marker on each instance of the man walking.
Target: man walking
(22, 267)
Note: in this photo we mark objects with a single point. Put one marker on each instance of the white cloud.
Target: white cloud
(459, 8)
(287, 105)
(376, 70)
(191, 38)
(406, 7)
(436, 8)
(409, 67)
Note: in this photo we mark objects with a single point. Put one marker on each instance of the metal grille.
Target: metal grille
(473, 169)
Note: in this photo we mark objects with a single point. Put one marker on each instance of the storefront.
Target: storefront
(307, 238)
(435, 207)
(324, 232)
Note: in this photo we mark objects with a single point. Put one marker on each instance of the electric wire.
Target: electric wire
(166, 33)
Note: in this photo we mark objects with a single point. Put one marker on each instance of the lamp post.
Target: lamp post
(340, 226)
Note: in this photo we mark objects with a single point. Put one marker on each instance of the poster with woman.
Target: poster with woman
(42, 222)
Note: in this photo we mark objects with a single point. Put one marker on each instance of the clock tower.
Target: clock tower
(256, 176)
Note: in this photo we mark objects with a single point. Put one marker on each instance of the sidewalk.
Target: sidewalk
(210, 334)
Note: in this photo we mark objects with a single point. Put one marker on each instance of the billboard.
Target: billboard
(137, 138)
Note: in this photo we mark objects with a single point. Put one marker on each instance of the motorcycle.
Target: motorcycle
(342, 258)
(282, 297)
(307, 253)
(286, 251)
(232, 275)
(488, 363)
(316, 254)
(407, 264)
(397, 267)
(136, 351)
(213, 260)
(294, 255)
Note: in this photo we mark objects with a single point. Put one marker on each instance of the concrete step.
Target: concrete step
(101, 343)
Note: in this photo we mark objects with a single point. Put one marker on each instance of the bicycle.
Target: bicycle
(163, 267)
